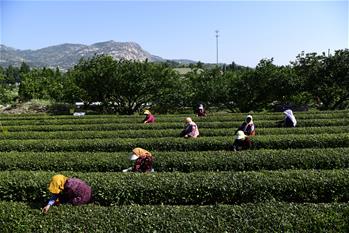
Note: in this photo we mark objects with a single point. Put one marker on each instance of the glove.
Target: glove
(127, 169)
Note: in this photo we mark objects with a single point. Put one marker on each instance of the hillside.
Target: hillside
(67, 55)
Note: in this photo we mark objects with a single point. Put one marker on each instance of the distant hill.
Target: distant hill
(65, 56)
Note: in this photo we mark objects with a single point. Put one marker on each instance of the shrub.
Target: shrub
(190, 161)
(176, 144)
(198, 188)
(146, 133)
(262, 217)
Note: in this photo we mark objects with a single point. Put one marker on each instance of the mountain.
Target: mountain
(66, 56)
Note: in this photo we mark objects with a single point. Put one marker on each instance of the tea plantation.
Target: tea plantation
(292, 180)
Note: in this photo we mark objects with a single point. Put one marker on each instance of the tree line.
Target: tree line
(126, 87)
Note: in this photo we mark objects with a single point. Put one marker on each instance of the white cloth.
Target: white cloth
(288, 113)
(79, 114)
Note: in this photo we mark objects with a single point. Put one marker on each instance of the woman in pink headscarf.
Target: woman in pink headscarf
(149, 118)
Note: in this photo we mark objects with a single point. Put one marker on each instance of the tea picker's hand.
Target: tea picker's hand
(127, 169)
(45, 209)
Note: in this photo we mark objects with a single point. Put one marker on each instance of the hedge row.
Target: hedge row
(146, 133)
(263, 217)
(179, 125)
(176, 144)
(180, 161)
(49, 120)
(198, 188)
(238, 116)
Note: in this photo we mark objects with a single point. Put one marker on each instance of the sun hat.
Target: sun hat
(240, 135)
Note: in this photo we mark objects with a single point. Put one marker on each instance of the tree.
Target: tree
(8, 91)
(141, 84)
(36, 84)
(24, 69)
(11, 75)
(125, 86)
(275, 83)
(326, 77)
(257, 89)
(204, 85)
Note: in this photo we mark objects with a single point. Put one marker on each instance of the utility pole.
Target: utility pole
(217, 46)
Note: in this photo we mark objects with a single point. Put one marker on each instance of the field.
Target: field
(292, 180)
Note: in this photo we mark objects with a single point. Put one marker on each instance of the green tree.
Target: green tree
(125, 86)
(274, 83)
(96, 79)
(202, 83)
(12, 75)
(142, 84)
(326, 77)
(8, 92)
(259, 88)
(36, 84)
(24, 68)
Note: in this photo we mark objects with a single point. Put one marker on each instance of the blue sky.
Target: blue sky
(248, 30)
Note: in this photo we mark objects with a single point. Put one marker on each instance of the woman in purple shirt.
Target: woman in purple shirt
(68, 190)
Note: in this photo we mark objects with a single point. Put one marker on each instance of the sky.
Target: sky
(248, 30)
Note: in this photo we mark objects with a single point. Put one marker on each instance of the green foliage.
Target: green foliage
(194, 179)
(125, 86)
(176, 144)
(204, 84)
(198, 188)
(159, 133)
(326, 77)
(105, 125)
(24, 69)
(8, 94)
(40, 84)
(8, 91)
(190, 161)
(267, 84)
(262, 217)
(12, 75)
(26, 119)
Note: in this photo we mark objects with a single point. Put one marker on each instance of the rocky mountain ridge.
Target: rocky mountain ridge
(67, 55)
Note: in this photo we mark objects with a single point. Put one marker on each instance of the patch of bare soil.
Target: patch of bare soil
(24, 108)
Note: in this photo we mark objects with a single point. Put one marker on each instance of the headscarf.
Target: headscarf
(57, 183)
(139, 152)
(249, 116)
(290, 115)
